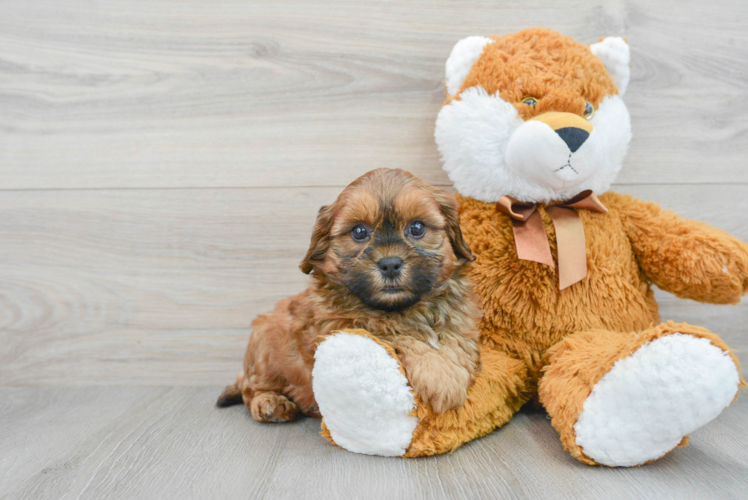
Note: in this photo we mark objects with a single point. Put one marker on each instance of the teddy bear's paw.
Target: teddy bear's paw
(649, 401)
(363, 396)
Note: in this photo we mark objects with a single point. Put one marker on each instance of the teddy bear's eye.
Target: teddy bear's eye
(530, 101)
(589, 110)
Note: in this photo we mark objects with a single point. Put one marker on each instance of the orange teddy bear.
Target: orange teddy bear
(533, 128)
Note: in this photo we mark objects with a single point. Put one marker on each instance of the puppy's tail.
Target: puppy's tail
(232, 394)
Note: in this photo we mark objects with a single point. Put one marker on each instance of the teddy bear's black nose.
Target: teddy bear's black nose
(390, 267)
(573, 137)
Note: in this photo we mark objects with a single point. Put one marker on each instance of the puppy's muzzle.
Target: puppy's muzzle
(390, 267)
(571, 128)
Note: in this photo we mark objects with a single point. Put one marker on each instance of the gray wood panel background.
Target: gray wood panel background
(161, 163)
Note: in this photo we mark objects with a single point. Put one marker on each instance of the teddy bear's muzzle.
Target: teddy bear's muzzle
(571, 128)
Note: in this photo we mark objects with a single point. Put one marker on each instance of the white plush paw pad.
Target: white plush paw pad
(363, 396)
(644, 406)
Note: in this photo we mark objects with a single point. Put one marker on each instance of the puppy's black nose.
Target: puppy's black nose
(573, 137)
(390, 267)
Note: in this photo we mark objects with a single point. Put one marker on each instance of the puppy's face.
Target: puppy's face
(389, 238)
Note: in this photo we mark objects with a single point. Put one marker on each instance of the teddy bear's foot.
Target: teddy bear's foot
(664, 385)
(648, 402)
(363, 395)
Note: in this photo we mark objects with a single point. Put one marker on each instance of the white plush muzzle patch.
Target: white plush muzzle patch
(536, 152)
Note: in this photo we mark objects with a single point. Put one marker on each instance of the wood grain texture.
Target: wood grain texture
(161, 163)
(190, 93)
(168, 443)
(158, 287)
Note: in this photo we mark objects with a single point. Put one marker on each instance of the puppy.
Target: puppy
(387, 257)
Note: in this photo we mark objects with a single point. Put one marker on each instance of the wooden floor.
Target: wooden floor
(169, 442)
(161, 163)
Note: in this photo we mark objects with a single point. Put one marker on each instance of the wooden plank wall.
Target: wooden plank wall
(161, 162)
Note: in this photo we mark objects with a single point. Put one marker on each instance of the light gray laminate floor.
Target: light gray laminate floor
(170, 442)
(161, 165)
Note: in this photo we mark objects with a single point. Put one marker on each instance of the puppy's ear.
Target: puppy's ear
(448, 206)
(320, 240)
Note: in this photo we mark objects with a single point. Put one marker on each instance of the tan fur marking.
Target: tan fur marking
(558, 121)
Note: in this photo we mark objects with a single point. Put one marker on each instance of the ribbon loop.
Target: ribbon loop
(586, 200)
(515, 209)
(531, 239)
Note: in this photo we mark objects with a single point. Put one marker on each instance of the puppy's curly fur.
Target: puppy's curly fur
(418, 299)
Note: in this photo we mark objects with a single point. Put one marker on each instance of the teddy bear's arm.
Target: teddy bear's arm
(688, 258)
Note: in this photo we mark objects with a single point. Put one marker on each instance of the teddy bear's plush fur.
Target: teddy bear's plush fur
(621, 388)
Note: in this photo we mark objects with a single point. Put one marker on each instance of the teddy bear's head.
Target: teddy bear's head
(534, 115)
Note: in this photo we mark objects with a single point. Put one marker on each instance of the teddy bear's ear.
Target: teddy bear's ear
(463, 56)
(613, 51)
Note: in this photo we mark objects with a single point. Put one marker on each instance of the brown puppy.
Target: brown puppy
(387, 257)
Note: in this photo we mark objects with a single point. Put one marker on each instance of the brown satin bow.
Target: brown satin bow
(532, 242)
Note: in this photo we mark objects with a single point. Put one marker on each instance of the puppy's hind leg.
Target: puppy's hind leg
(272, 407)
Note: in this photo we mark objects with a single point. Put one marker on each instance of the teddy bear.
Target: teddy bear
(532, 133)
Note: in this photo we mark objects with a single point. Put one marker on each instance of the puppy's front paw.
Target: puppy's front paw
(441, 384)
(446, 398)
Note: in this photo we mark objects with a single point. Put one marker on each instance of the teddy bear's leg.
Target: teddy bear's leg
(363, 395)
(368, 406)
(499, 390)
(622, 399)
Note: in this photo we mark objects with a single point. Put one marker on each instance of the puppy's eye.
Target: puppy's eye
(589, 110)
(530, 101)
(360, 233)
(417, 229)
